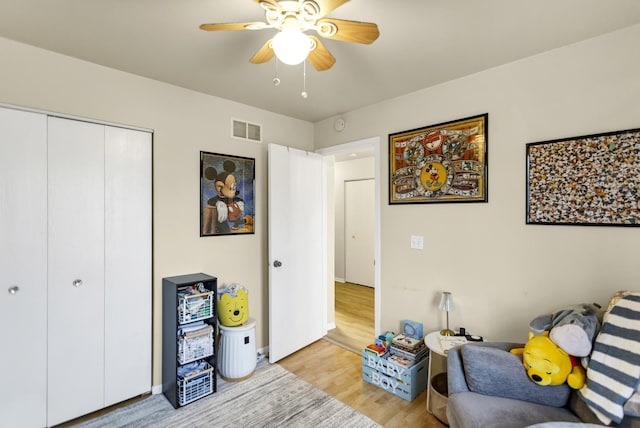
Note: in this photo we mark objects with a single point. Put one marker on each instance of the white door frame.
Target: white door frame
(372, 142)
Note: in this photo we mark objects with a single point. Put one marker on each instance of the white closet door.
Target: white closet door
(76, 269)
(359, 208)
(128, 264)
(23, 268)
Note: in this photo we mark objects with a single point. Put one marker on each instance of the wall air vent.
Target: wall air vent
(246, 131)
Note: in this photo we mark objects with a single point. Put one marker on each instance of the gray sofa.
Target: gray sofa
(488, 387)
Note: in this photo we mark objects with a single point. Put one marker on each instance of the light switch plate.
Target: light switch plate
(417, 242)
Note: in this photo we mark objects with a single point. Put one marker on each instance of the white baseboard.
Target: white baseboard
(263, 353)
(156, 389)
(331, 326)
(339, 280)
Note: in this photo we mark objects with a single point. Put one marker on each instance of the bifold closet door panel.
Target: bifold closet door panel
(128, 264)
(23, 268)
(76, 269)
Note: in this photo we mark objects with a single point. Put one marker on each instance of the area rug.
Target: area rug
(272, 397)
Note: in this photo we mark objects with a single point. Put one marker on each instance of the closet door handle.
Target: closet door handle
(14, 289)
(77, 283)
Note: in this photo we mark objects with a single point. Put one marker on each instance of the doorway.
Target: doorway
(353, 301)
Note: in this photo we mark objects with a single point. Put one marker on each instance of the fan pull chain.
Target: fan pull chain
(276, 80)
(304, 80)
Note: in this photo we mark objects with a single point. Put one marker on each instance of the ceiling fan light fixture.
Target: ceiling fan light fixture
(293, 19)
(291, 46)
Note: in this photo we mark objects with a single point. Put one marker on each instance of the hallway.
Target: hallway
(354, 317)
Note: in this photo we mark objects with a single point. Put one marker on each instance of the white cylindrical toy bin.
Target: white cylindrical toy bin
(237, 351)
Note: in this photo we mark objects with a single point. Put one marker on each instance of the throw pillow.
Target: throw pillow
(499, 373)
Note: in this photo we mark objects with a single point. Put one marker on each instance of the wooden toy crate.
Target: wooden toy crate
(405, 382)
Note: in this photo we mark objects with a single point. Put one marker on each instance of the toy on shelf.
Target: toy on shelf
(412, 329)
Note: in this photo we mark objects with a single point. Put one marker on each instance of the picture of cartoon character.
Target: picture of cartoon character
(413, 153)
(426, 164)
(433, 173)
(224, 211)
(433, 176)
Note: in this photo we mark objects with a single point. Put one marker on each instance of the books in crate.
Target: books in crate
(406, 350)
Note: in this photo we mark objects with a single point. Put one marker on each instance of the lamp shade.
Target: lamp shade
(446, 302)
(291, 46)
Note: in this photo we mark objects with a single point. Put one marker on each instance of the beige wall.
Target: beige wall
(502, 272)
(184, 122)
(506, 273)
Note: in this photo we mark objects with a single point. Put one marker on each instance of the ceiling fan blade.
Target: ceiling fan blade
(328, 6)
(234, 26)
(264, 54)
(320, 57)
(347, 31)
(273, 3)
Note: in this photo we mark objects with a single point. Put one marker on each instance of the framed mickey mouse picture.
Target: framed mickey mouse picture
(440, 163)
(227, 190)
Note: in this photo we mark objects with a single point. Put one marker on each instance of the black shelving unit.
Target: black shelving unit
(186, 301)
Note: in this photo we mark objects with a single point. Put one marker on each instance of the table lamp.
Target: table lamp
(446, 304)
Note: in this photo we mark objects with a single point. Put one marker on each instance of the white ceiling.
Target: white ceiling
(422, 43)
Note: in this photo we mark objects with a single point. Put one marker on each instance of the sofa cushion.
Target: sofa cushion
(473, 410)
(496, 372)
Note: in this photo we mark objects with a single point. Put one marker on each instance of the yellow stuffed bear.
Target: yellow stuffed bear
(233, 308)
(548, 364)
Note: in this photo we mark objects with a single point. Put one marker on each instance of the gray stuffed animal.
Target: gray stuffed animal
(573, 329)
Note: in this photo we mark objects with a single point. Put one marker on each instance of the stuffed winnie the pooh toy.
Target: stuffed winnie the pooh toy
(233, 305)
(547, 364)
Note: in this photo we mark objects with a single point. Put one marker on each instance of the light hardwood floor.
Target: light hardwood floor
(337, 370)
(354, 316)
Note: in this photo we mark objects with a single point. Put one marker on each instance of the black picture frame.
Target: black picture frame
(589, 180)
(446, 162)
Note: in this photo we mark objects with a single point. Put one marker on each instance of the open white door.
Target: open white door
(296, 250)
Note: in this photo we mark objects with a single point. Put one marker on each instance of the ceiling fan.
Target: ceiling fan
(292, 18)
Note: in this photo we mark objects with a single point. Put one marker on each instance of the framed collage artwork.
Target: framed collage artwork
(591, 180)
(446, 162)
(587, 180)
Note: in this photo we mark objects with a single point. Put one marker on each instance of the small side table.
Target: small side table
(432, 342)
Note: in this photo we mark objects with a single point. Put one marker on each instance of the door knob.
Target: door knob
(277, 263)
(14, 289)
(77, 283)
